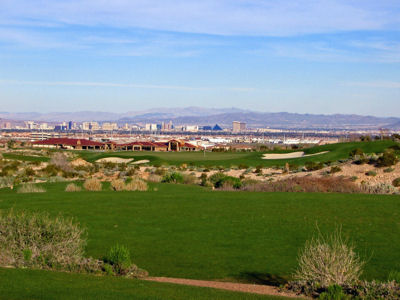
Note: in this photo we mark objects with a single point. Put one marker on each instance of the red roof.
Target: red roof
(68, 142)
(154, 144)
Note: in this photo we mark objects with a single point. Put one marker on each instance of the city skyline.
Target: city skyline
(321, 57)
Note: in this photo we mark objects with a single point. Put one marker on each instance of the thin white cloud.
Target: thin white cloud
(226, 17)
(123, 85)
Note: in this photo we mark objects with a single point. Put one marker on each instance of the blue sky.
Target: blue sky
(328, 56)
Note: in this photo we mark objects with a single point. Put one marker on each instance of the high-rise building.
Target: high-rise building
(238, 126)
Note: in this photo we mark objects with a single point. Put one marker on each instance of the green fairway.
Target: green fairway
(227, 159)
(191, 232)
(30, 284)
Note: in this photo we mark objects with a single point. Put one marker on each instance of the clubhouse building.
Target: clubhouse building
(84, 144)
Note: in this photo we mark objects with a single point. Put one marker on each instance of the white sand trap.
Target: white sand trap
(290, 155)
(143, 161)
(117, 160)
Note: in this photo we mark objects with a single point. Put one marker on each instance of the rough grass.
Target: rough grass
(30, 188)
(93, 185)
(192, 232)
(72, 187)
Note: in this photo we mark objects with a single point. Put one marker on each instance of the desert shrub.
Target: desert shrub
(335, 169)
(154, 178)
(37, 240)
(329, 260)
(313, 166)
(380, 188)
(6, 181)
(387, 159)
(388, 170)
(59, 160)
(51, 170)
(92, 184)
(131, 172)
(30, 188)
(220, 179)
(29, 172)
(160, 171)
(117, 185)
(243, 166)
(136, 184)
(334, 292)
(174, 177)
(203, 179)
(119, 259)
(72, 187)
(353, 178)
(356, 152)
(371, 173)
(396, 182)
(189, 179)
(109, 165)
(309, 184)
(373, 290)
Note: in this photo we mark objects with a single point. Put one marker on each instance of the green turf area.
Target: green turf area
(227, 159)
(191, 232)
(33, 284)
(25, 157)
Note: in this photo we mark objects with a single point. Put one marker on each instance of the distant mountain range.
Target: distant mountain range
(221, 116)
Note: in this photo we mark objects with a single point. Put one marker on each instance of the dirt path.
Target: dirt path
(230, 286)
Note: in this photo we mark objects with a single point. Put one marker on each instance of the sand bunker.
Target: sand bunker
(143, 161)
(290, 155)
(116, 160)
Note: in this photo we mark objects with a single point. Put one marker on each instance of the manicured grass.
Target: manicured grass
(191, 232)
(34, 284)
(228, 159)
(26, 157)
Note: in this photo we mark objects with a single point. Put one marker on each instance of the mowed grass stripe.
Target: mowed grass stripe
(191, 232)
(35, 284)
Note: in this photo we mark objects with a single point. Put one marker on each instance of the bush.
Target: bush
(36, 240)
(334, 292)
(329, 260)
(220, 180)
(174, 177)
(154, 178)
(92, 184)
(335, 169)
(388, 170)
(117, 185)
(72, 187)
(356, 152)
(313, 166)
(309, 184)
(120, 261)
(380, 188)
(30, 188)
(387, 159)
(59, 160)
(243, 166)
(371, 173)
(396, 182)
(136, 184)
(189, 179)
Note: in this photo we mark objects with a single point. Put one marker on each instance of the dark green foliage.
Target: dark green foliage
(394, 276)
(174, 177)
(334, 292)
(220, 179)
(313, 166)
(388, 170)
(243, 166)
(356, 152)
(335, 169)
(371, 173)
(387, 159)
(396, 182)
(119, 258)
